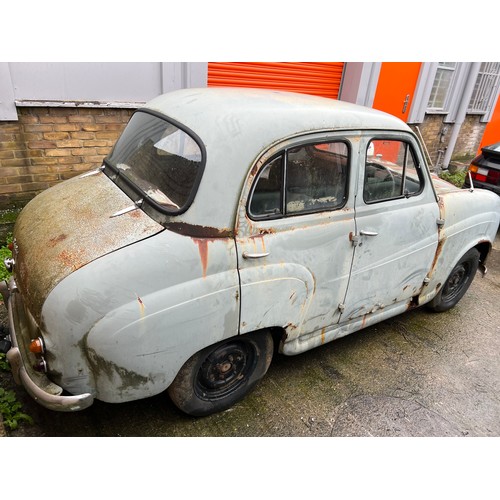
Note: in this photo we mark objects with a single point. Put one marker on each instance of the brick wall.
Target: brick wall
(468, 141)
(437, 134)
(48, 145)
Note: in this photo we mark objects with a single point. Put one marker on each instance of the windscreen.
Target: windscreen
(161, 160)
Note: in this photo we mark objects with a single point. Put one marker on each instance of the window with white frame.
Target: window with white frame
(485, 88)
(442, 83)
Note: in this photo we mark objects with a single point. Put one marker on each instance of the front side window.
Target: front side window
(163, 162)
(304, 179)
(390, 171)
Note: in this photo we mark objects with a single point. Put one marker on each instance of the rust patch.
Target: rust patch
(363, 323)
(135, 214)
(199, 231)
(323, 336)
(259, 237)
(54, 241)
(442, 206)
(439, 249)
(413, 304)
(142, 307)
(72, 260)
(203, 249)
(267, 231)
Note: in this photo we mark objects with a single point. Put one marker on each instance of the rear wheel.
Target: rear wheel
(457, 282)
(219, 376)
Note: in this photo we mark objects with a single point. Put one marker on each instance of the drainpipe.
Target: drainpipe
(462, 111)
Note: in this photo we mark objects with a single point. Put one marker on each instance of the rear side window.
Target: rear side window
(308, 178)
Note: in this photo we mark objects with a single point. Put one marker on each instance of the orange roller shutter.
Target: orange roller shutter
(316, 78)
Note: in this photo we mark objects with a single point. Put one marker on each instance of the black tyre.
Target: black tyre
(219, 376)
(457, 282)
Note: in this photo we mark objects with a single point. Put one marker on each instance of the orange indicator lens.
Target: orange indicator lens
(36, 346)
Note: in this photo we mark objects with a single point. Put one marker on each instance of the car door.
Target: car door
(396, 226)
(294, 253)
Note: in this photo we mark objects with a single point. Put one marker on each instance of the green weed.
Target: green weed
(4, 254)
(10, 408)
(457, 178)
(4, 364)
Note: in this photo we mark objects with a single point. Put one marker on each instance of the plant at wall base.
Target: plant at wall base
(457, 178)
(4, 254)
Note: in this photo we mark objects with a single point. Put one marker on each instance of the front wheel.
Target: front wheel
(219, 376)
(457, 282)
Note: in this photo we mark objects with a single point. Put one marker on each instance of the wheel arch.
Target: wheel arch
(484, 248)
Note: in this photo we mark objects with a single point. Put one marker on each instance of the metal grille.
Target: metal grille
(485, 88)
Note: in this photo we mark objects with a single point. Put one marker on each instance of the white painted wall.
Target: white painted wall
(126, 84)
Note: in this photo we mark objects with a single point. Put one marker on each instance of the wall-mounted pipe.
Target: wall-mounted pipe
(462, 111)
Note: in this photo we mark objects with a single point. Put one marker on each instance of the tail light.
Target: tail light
(478, 173)
(482, 174)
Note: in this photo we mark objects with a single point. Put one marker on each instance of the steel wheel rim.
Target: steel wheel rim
(225, 370)
(455, 282)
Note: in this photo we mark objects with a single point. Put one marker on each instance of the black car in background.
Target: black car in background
(485, 169)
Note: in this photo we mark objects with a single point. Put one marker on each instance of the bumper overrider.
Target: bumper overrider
(38, 385)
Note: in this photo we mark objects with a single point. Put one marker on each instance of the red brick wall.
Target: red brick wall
(48, 145)
(437, 134)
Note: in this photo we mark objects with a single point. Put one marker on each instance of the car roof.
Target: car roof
(289, 113)
(237, 125)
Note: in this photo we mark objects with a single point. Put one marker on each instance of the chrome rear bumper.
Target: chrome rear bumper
(38, 385)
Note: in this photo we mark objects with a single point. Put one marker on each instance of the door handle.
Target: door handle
(368, 233)
(247, 255)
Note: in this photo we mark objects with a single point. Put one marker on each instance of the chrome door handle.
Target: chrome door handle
(247, 255)
(368, 233)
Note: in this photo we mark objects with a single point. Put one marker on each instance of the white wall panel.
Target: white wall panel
(93, 83)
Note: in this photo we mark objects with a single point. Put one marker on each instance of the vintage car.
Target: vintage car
(224, 226)
(484, 170)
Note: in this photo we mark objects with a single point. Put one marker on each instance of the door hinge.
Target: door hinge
(341, 307)
(440, 222)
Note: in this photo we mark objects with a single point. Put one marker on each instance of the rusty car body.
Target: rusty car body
(224, 225)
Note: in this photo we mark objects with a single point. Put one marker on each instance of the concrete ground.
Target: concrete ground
(419, 374)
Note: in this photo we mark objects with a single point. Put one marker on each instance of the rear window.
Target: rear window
(162, 161)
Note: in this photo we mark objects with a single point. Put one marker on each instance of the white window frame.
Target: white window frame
(441, 69)
(486, 88)
(464, 72)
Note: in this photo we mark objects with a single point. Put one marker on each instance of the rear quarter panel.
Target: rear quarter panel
(123, 325)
